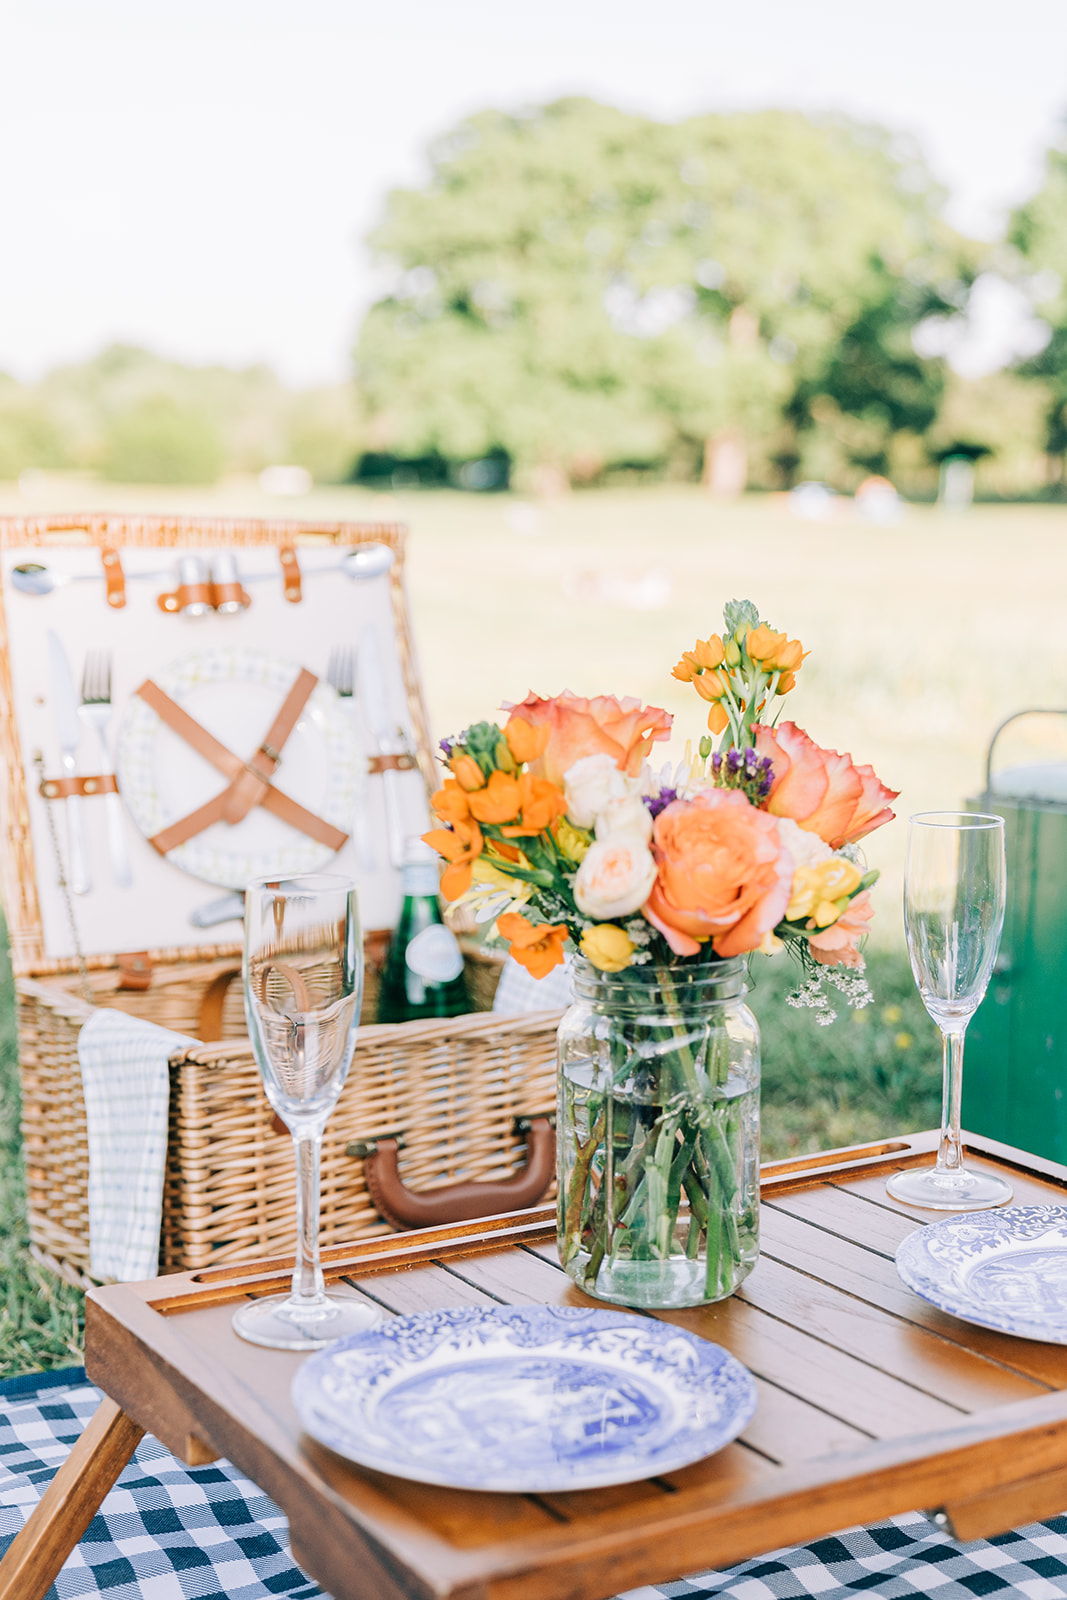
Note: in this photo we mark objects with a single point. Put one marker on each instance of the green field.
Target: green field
(923, 637)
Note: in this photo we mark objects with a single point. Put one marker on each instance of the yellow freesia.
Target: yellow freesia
(607, 946)
(573, 842)
(822, 892)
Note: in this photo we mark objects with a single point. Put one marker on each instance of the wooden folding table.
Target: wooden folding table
(871, 1402)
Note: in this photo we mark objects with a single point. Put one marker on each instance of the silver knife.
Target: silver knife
(387, 737)
(69, 732)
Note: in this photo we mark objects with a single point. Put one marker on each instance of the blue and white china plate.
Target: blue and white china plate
(523, 1399)
(1001, 1269)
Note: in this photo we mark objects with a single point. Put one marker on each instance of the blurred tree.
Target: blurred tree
(580, 287)
(132, 415)
(1038, 230)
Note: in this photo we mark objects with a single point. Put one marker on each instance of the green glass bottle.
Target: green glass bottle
(423, 974)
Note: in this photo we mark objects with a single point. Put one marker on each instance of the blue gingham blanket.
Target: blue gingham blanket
(171, 1532)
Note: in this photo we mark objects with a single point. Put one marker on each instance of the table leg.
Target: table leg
(69, 1504)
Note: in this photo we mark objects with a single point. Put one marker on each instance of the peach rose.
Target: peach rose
(821, 790)
(623, 729)
(838, 945)
(723, 873)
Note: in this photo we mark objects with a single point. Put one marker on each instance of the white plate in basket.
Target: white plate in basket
(524, 1399)
(235, 694)
(1004, 1269)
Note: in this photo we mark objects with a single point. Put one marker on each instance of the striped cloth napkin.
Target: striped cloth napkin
(127, 1098)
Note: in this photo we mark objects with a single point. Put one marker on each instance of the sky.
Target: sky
(199, 176)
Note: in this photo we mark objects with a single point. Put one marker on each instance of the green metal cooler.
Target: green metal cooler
(1015, 1071)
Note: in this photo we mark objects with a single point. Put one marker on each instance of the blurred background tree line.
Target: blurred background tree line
(580, 296)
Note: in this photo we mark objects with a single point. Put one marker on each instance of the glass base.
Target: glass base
(281, 1324)
(960, 1189)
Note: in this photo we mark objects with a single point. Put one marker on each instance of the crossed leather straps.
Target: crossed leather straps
(250, 781)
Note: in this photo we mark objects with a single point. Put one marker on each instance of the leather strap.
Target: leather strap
(135, 970)
(114, 578)
(404, 762)
(250, 786)
(205, 744)
(291, 574)
(62, 788)
(208, 594)
(209, 1025)
(460, 1202)
(225, 594)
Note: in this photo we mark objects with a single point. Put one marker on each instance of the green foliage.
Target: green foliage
(133, 417)
(41, 1319)
(870, 1074)
(1038, 230)
(582, 287)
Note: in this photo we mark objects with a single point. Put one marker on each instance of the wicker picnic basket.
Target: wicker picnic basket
(455, 1091)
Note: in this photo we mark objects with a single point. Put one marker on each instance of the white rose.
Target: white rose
(624, 814)
(589, 784)
(615, 878)
(806, 848)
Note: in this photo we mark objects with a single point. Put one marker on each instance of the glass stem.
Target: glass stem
(949, 1150)
(308, 1285)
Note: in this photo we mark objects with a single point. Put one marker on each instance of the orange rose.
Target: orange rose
(624, 729)
(838, 945)
(536, 946)
(821, 790)
(461, 846)
(723, 874)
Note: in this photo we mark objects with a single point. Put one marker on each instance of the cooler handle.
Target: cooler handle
(1034, 711)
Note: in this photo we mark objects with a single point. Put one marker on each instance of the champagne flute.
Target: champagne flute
(303, 983)
(954, 885)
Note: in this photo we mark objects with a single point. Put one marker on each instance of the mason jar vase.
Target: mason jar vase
(658, 1133)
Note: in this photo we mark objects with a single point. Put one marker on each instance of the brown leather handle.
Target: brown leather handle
(460, 1202)
(63, 788)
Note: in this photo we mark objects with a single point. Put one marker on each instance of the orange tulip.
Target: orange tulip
(786, 682)
(538, 947)
(499, 801)
(717, 718)
(709, 685)
(525, 741)
(541, 804)
(450, 802)
(467, 772)
(683, 671)
(790, 658)
(706, 653)
(763, 644)
(461, 846)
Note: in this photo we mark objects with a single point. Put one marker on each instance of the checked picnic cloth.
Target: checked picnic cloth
(170, 1532)
(126, 1084)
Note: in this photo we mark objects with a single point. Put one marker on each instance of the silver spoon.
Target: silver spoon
(30, 577)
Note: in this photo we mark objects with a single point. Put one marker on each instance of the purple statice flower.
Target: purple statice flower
(764, 777)
(716, 764)
(657, 803)
(734, 761)
(447, 746)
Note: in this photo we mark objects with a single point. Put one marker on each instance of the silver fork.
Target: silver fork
(95, 713)
(341, 676)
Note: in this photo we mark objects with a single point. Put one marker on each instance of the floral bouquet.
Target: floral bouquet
(559, 832)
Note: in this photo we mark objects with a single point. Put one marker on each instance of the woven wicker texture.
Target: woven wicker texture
(453, 1089)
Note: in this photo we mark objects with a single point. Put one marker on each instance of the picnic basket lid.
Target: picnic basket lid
(144, 641)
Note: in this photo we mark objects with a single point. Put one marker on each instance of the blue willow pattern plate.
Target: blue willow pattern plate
(1001, 1269)
(523, 1399)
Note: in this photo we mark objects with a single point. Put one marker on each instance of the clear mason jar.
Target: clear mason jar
(658, 1133)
